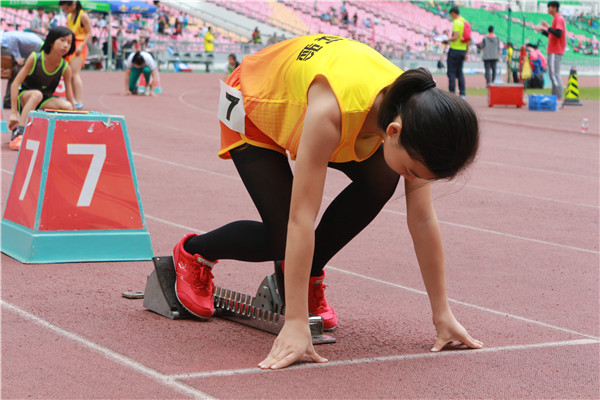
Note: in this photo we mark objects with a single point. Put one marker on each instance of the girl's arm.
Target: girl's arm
(87, 25)
(14, 91)
(127, 74)
(320, 136)
(427, 240)
(67, 76)
(153, 77)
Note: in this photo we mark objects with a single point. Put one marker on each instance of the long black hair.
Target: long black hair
(438, 128)
(55, 33)
(78, 7)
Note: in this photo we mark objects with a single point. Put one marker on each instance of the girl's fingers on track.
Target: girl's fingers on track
(472, 343)
(467, 341)
(286, 361)
(439, 344)
(316, 357)
(279, 359)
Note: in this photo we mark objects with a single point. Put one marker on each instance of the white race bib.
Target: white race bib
(231, 108)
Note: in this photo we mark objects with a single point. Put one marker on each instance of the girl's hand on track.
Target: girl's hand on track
(13, 121)
(450, 330)
(293, 342)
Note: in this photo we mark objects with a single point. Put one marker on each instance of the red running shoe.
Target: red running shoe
(194, 285)
(317, 304)
(15, 143)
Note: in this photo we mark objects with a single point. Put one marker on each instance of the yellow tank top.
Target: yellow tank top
(76, 27)
(459, 25)
(275, 82)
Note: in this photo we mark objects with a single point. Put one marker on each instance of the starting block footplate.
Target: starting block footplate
(264, 311)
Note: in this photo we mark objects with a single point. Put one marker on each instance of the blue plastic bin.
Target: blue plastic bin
(541, 102)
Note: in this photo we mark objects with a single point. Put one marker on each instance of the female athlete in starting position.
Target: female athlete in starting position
(329, 102)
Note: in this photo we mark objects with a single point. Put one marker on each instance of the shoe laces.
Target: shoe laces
(317, 297)
(202, 278)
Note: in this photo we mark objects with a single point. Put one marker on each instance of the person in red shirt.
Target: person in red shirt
(557, 43)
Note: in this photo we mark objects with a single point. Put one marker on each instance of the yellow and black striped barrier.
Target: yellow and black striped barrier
(572, 91)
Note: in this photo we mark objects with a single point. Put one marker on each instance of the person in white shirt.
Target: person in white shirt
(36, 25)
(138, 63)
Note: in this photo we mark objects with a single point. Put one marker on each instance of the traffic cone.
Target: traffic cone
(142, 84)
(572, 92)
(61, 90)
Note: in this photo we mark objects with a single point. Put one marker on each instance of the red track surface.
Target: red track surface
(522, 249)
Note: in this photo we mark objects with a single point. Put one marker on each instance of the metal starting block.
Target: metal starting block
(264, 311)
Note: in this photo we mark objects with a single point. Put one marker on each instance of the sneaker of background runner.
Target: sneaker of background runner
(317, 304)
(16, 137)
(147, 91)
(194, 285)
(19, 130)
(78, 106)
(15, 144)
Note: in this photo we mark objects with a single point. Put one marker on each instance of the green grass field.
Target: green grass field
(585, 93)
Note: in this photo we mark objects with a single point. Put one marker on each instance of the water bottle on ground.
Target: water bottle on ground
(584, 125)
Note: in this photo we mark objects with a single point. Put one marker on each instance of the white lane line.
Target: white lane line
(421, 292)
(532, 126)
(400, 357)
(545, 171)
(462, 303)
(575, 157)
(206, 110)
(187, 228)
(192, 229)
(127, 362)
(510, 235)
(145, 120)
(387, 210)
(528, 196)
(175, 164)
(467, 185)
(214, 113)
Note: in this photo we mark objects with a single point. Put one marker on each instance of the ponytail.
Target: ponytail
(438, 128)
(78, 7)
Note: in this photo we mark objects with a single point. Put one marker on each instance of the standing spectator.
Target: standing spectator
(256, 39)
(209, 45)
(273, 39)
(36, 25)
(79, 22)
(491, 49)
(557, 42)
(457, 53)
(209, 42)
(538, 67)
(162, 23)
(52, 20)
(138, 63)
(512, 64)
(95, 54)
(345, 17)
(18, 45)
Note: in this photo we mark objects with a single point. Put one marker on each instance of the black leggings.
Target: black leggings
(268, 178)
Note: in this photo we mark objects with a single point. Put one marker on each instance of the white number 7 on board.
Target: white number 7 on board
(98, 153)
(33, 145)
